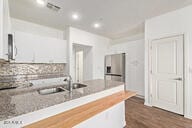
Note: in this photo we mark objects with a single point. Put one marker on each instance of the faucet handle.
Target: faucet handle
(68, 78)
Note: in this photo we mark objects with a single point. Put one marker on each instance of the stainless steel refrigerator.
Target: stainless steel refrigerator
(115, 67)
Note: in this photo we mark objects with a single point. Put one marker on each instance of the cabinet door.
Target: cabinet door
(37, 49)
(59, 51)
(50, 50)
(4, 28)
(1, 29)
(24, 47)
(43, 50)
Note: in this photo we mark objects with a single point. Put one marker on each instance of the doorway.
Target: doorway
(167, 73)
(82, 62)
(79, 66)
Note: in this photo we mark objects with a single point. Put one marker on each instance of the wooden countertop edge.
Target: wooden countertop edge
(79, 114)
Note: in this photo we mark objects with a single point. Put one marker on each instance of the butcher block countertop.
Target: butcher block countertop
(79, 114)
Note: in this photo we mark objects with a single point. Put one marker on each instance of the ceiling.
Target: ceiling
(119, 18)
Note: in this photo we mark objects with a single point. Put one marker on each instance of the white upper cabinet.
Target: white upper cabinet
(31, 48)
(5, 28)
(24, 48)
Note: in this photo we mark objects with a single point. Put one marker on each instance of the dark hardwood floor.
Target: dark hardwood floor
(140, 116)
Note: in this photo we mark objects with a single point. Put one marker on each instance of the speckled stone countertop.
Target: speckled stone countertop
(15, 102)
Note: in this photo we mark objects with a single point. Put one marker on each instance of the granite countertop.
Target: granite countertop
(15, 102)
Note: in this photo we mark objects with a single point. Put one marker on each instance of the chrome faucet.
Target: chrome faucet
(70, 82)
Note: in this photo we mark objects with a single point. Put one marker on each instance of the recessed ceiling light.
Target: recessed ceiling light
(75, 16)
(96, 25)
(41, 2)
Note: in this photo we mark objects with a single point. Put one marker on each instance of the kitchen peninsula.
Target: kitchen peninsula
(100, 99)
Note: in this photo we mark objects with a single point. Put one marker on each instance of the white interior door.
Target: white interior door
(79, 66)
(167, 74)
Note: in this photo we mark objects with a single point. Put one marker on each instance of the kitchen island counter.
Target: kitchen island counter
(16, 102)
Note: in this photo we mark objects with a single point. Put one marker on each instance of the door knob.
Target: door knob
(180, 79)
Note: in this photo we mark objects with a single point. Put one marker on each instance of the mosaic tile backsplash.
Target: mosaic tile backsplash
(14, 75)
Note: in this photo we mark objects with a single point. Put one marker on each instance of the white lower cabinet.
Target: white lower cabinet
(31, 48)
(113, 117)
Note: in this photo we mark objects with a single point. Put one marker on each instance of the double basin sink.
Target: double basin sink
(60, 89)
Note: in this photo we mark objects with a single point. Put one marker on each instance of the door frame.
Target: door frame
(186, 95)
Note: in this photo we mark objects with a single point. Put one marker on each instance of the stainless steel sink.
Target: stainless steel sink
(59, 89)
(51, 90)
(78, 85)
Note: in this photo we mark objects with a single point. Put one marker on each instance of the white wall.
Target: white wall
(173, 23)
(134, 63)
(29, 27)
(99, 46)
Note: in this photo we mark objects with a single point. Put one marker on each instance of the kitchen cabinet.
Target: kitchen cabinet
(31, 48)
(5, 28)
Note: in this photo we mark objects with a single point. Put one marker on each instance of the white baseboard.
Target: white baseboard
(147, 104)
(140, 96)
(188, 116)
